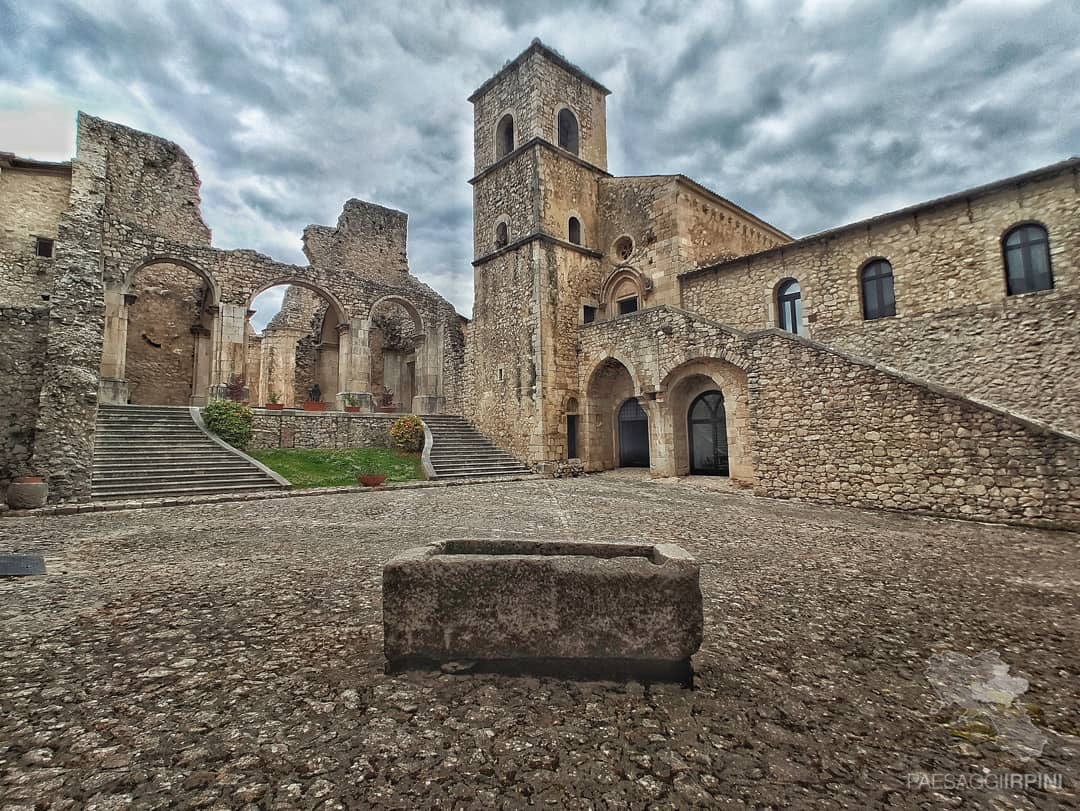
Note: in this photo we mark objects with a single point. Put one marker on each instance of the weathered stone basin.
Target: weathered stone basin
(553, 605)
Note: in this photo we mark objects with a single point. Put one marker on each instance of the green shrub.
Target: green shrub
(408, 433)
(230, 420)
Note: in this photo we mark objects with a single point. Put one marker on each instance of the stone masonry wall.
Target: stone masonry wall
(160, 343)
(299, 429)
(23, 336)
(31, 203)
(836, 429)
(831, 429)
(507, 193)
(954, 323)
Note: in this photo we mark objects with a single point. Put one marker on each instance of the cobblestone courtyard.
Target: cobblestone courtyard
(230, 654)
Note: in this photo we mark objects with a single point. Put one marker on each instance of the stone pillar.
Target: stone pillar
(113, 386)
(661, 436)
(354, 365)
(230, 361)
(428, 399)
(200, 379)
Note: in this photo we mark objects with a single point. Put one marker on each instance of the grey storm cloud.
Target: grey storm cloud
(810, 114)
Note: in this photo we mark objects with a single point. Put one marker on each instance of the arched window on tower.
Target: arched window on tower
(878, 299)
(1027, 259)
(568, 131)
(573, 230)
(504, 137)
(789, 306)
(502, 235)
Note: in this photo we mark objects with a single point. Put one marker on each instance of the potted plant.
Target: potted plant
(275, 401)
(314, 401)
(352, 403)
(236, 390)
(27, 493)
(369, 476)
(386, 402)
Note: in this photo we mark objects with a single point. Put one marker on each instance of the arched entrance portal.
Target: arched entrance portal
(707, 430)
(633, 435)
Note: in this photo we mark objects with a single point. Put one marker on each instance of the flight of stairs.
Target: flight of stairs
(159, 452)
(459, 451)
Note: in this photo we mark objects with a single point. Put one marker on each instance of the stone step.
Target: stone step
(453, 470)
(136, 492)
(230, 476)
(483, 474)
(471, 457)
(137, 469)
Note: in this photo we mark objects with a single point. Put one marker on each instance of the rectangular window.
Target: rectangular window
(43, 247)
(571, 436)
(588, 315)
(628, 305)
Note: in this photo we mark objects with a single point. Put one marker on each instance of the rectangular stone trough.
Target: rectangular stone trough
(552, 606)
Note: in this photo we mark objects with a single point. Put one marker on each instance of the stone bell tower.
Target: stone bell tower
(540, 148)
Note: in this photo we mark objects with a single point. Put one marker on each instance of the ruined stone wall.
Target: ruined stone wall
(502, 355)
(369, 242)
(23, 337)
(152, 183)
(954, 323)
(299, 429)
(830, 429)
(160, 342)
(31, 203)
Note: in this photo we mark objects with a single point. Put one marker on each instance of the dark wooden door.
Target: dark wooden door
(633, 435)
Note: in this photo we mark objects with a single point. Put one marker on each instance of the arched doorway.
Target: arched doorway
(707, 430)
(396, 347)
(633, 435)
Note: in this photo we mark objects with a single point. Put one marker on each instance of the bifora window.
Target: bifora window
(1027, 260)
(568, 131)
(878, 299)
(789, 306)
(573, 230)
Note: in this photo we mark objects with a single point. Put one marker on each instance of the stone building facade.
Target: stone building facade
(113, 293)
(922, 360)
(648, 321)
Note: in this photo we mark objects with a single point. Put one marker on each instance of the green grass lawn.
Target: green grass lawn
(311, 467)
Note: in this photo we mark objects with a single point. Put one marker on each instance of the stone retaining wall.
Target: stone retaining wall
(308, 429)
(23, 333)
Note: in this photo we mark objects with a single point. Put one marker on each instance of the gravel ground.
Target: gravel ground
(230, 655)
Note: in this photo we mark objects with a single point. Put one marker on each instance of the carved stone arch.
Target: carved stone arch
(315, 287)
(214, 298)
(636, 376)
(409, 307)
(621, 276)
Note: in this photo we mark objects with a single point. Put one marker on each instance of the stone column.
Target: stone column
(231, 354)
(204, 351)
(661, 436)
(113, 387)
(354, 365)
(428, 399)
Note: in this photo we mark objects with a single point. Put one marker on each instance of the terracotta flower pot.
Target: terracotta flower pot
(371, 480)
(274, 406)
(27, 493)
(313, 406)
(353, 409)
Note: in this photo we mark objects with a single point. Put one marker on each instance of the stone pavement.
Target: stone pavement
(225, 655)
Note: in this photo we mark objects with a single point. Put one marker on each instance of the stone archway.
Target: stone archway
(160, 326)
(405, 358)
(609, 386)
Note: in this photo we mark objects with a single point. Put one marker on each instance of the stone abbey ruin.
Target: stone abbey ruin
(921, 360)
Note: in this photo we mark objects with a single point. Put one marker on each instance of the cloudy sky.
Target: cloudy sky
(810, 114)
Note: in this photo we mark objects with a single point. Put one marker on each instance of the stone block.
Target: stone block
(557, 606)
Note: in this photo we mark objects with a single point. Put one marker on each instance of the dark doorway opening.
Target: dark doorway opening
(571, 436)
(633, 435)
(707, 432)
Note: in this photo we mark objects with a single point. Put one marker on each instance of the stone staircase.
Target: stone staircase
(159, 451)
(459, 451)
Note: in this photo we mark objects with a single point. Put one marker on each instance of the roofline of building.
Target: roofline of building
(1042, 173)
(538, 47)
(720, 199)
(9, 160)
(533, 236)
(536, 141)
